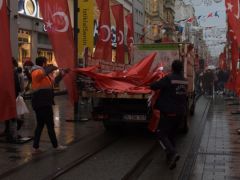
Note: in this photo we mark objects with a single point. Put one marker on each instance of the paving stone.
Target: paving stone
(220, 144)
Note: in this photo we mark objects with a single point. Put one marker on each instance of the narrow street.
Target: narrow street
(209, 151)
(98, 89)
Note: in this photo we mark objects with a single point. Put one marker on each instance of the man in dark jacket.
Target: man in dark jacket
(172, 103)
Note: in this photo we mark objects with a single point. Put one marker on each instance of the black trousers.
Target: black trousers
(167, 129)
(44, 116)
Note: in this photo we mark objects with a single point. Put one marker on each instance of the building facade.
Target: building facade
(154, 20)
(138, 19)
(29, 38)
(159, 21)
(169, 24)
(191, 32)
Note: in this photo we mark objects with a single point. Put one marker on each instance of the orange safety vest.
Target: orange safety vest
(40, 80)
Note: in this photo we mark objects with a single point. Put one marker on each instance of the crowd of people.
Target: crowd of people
(211, 81)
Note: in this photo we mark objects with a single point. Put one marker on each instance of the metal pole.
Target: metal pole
(76, 49)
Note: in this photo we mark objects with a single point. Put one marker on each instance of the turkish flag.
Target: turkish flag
(7, 90)
(210, 15)
(117, 11)
(154, 121)
(237, 87)
(130, 34)
(235, 56)
(231, 84)
(190, 20)
(103, 48)
(57, 21)
(233, 17)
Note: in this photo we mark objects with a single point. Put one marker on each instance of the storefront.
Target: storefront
(24, 46)
(32, 37)
(48, 54)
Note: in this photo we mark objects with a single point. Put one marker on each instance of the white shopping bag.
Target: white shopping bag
(21, 106)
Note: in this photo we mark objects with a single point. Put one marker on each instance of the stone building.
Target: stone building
(159, 21)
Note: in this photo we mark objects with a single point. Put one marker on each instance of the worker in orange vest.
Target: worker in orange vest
(42, 100)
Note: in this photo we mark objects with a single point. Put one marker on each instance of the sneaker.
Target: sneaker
(173, 161)
(61, 148)
(36, 151)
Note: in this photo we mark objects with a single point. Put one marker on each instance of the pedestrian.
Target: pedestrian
(221, 78)
(10, 130)
(21, 79)
(29, 78)
(42, 100)
(172, 103)
(208, 80)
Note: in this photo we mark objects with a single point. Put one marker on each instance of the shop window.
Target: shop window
(43, 39)
(24, 46)
(48, 54)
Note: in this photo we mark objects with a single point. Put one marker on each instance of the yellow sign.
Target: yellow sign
(85, 25)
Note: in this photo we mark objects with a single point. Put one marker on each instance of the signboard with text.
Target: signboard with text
(29, 8)
(86, 25)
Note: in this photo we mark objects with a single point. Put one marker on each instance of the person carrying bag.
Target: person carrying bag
(21, 106)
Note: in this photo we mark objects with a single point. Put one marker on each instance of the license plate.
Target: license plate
(134, 117)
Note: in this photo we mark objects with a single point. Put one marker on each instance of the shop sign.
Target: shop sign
(29, 8)
(85, 24)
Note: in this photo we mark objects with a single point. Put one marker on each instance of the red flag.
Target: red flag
(57, 20)
(7, 90)
(233, 16)
(235, 57)
(130, 35)
(117, 11)
(234, 50)
(190, 20)
(104, 43)
(210, 15)
(237, 87)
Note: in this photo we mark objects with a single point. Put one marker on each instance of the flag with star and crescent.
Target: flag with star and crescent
(117, 11)
(57, 21)
(233, 21)
(130, 35)
(233, 17)
(103, 50)
(7, 90)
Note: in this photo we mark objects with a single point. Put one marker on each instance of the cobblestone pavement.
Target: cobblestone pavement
(218, 156)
